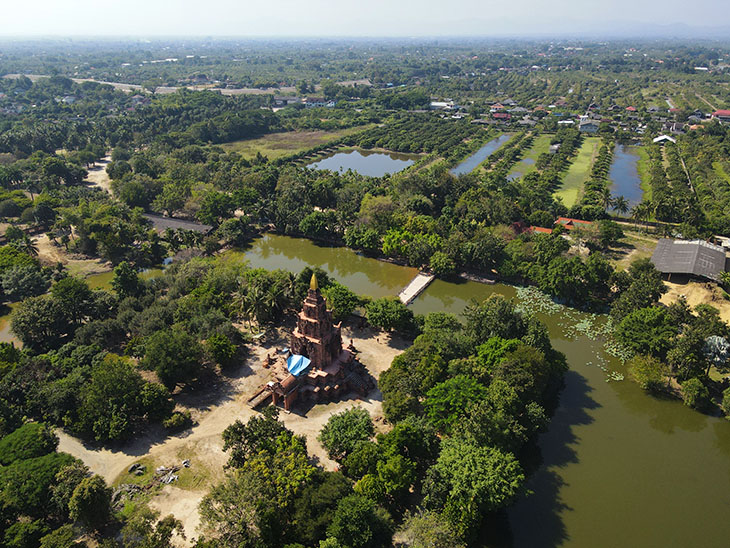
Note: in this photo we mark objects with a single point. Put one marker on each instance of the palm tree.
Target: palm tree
(27, 245)
(606, 198)
(621, 204)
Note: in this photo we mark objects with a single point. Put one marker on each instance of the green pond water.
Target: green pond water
(619, 468)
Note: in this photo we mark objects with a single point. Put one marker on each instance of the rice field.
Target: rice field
(540, 145)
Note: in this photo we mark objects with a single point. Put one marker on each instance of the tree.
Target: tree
(174, 355)
(259, 434)
(90, 503)
(469, 481)
(24, 534)
(109, 401)
(621, 205)
(650, 373)
(67, 479)
(344, 430)
(495, 317)
(427, 529)
(75, 299)
(647, 331)
(125, 281)
(23, 281)
(33, 439)
(144, 530)
(359, 523)
(214, 207)
(442, 265)
(447, 401)
(221, 349)
(695, 394)
(389, 313)
(725, 405)
(717, 351)
(341, 299)
(313, 509)
(39, 323)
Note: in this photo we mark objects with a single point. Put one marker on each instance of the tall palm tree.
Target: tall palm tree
(606, 198)
(620, 204)
(27, 245)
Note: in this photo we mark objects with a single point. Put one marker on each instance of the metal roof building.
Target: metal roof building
(695, 257)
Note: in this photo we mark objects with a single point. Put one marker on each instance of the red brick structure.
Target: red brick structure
(333, 371)
(315, 336)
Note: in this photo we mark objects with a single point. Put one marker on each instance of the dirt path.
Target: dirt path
(219, 408)
(98, 176)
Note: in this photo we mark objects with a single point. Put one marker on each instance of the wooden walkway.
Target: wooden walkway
(415, 288)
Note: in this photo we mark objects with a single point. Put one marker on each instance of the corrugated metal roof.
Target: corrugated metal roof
(695, 257)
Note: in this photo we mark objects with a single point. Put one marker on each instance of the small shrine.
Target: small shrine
(317, 367)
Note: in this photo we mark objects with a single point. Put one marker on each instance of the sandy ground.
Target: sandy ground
(216, 408)
(98, 176)
(50, 254)
(698, 293)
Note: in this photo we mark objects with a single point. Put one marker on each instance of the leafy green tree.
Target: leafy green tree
(39, 323)
(174, 355)
(389, 313)
(359, 523)
(442, 265)
(63, 537)
(31, 440)
(428, 529)
(144, 530)
(468, 481)
(695, 394)
(650, 373)
(90, 503)
(25, 485)
(495, 317)
(109, 402)
(313, 509)
(24, 534)
(155, 401)
(126, 282)
(221, 349)
(447, 402)
(259, 434)
(725, 405)
(75, 299)
(215, 207)
(647, 331)
(24, 281)
(344, 430)
(342, 300)
(67, 479)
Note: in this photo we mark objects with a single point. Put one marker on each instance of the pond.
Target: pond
(473, 161)
(624, 174)
(618, 468)
(370, 163)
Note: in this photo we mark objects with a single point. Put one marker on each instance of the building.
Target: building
(502, 116)
(664, 139)
(442, 105)
(722, 115)
(570, 224)
(689, 257)
(317, 368)
(588, 126)
(314, 102)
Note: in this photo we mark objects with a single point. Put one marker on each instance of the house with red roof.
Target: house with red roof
(631, 109)
(722, 115)
(502, 116)
(570, 224)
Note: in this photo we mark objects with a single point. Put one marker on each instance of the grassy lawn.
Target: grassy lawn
(276, 145)
(642, 166)
(578, 172)
(540, 145)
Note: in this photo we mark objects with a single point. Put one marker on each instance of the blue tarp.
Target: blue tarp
(297, 364)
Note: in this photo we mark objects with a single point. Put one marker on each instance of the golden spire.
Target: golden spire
(313, 285)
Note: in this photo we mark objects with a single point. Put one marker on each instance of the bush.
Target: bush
(725, 403)
(442, 265)
(345, 430)
(389, 313)
(30, 440)
(648, 372)
(178, 421)
(695, 394)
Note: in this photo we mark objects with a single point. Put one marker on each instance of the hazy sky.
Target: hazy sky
(349, 17)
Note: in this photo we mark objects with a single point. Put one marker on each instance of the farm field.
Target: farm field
(642, 166)
(276, 145)
(540, 146)
(578, 172)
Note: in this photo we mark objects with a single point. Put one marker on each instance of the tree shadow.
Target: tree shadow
(535, 520)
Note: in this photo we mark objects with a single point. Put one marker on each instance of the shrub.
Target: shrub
(648, 372)
(178, 421)
(695, 394)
